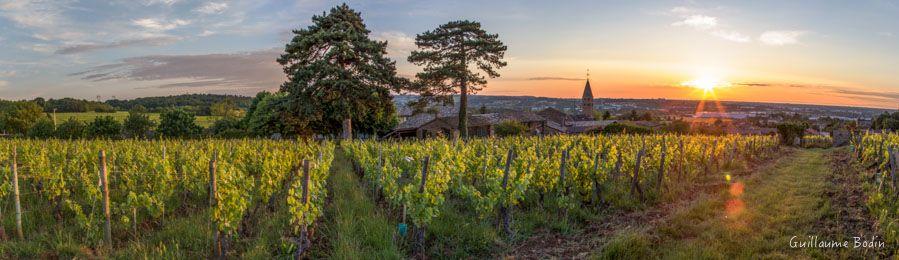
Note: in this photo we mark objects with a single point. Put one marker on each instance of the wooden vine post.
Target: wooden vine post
(892, 154)
(597, 188)
(304, 241)
(617, 170)
(134, 220)
(894, 158)
(563, 169)
(504, 209)
(107, 226)
(660, 179)
(420, 231)
(213, 189)
(635, 181)
(681, 172)
(15, 184)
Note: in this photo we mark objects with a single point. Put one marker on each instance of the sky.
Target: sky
(810, 52)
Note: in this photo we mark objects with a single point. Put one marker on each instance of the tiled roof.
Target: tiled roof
(415, 121)
(495, 118)
(555, 115)
(556, 126)
(406, 111)
(575, 127)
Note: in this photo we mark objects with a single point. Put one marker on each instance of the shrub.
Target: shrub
(228, 127)
(138, 124)
(43, 129)
(18, 117)
(510, 128)
(789, 132)
(178, 123)
(618, 128)
(71, 129)
(104, 127)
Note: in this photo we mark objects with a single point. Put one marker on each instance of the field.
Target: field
(204, 121)
(607, 197)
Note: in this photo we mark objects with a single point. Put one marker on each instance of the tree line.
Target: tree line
(338, 77)
(25, 119)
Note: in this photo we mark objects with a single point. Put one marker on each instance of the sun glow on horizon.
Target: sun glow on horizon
(706, 83)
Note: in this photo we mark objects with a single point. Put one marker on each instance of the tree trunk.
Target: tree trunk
(347, 129)
(463, 106)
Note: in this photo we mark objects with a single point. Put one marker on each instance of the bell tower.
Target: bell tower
(587, 101)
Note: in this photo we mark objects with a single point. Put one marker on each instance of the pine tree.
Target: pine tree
(336, 75)
(448, 54)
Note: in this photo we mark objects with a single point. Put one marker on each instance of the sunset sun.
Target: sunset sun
(706, 83)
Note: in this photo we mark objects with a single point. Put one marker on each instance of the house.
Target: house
(559, 122)
(444, 121)
(427, 125)
(555, 115)
(405, 112)
(592, 126)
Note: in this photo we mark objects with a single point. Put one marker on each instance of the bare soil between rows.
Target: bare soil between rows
(547, 244)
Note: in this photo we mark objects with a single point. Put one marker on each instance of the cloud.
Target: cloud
(754, 84)
(733, 36)
(3, 84)
(37, 14)
(206, 33)
(701, 22)
(555, 78)
(37, 47)
(251, 70)
(399, 44)
(160, 2)
(843, 91)
(159, 25)
(681, 10)
(212, 8)
(886, 34)
(882, 95)
(781, 38)
(151, 41)
(707, 24)
(7, 73)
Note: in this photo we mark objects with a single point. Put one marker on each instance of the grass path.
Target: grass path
(355, 226)
(754, 218)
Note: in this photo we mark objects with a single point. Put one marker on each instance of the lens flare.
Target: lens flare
(706, 83)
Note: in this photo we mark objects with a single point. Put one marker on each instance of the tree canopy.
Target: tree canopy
(104, 127)
(178, 123)
(138, 124)
(450, 55)
(335, 72)
(18, 117)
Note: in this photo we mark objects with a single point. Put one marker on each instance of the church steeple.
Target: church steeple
(587, 100)
(588, 93)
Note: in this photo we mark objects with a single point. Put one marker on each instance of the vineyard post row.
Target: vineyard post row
(40, 159)
(877, 159)
(475, 171)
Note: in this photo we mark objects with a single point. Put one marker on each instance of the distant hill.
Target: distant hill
(671, 106)
(197, 103)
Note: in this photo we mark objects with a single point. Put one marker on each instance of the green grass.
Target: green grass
(756, 221)
(457, 233)
(204, 121)
(355, 226)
